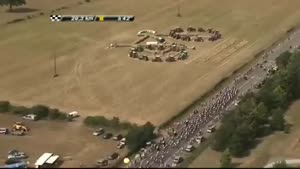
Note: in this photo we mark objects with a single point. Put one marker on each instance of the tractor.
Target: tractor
(178, 29)
(143, 57)
(157, 59)
(200, 29)
(183, 55)
(198, 39)
(191, 29)
(185, 38)
(170, 59)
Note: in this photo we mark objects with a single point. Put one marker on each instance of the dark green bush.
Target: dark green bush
(40, 111)
(20, 110)
(4, 106)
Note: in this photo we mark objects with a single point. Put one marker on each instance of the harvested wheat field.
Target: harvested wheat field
(34, 7)
(95, 80)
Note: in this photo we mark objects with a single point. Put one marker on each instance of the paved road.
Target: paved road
(289, 162)
(164, 158)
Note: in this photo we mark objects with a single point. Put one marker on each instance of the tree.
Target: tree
(138, 136)
(293, 82)
(223, 135)
(20, 110)
(277, 120)
(4, 106)
(115, 122)
(262, 112)
(280, 96)
(242, 139)
(281, 164)
(12, 3)
(54, 114)
(283, 59)
(40, 111)
(226, 159)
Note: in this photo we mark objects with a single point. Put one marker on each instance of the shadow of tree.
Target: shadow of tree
(22, 10)
(235, 164)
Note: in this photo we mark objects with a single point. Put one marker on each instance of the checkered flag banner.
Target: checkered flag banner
(55, 18)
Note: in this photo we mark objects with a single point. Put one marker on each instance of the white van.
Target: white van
(211, 129)
(30, 117)
(74, 114)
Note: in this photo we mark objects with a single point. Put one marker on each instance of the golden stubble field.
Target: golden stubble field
(34, 7)
(96, 81)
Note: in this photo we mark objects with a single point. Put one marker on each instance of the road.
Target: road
(164, 154)
(289, 162)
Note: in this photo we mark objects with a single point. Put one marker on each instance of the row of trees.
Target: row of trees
(11, 3)
(261, 113)
(136, 135)
(41, 111)
(96, 121)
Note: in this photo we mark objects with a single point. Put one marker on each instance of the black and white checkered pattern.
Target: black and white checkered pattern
(55, 18)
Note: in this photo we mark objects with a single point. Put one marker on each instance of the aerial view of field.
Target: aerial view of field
(279, 146)
(94, 80)
(33, 7)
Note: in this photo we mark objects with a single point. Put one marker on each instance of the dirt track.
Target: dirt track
(95, 81)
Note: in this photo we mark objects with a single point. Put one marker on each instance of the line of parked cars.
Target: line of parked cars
(106, 135)
(104, 162)
(118, 137)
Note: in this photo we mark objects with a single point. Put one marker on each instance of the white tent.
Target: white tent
(41, 161)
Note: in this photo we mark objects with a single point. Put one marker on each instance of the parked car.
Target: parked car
(258, 85)
(113, 156)
(32, 117)
(199, 139)
(4, 131)
(121, 145)
(149, 143)
(13, 161)
(15, 154)
(211, 129)
(98, 132)
(73, 114)
(118, 137)
(107, 135)
(173, 165)
(177, 159)
(123, 140)
(189, 148)
(102, 162)
(236, 103)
